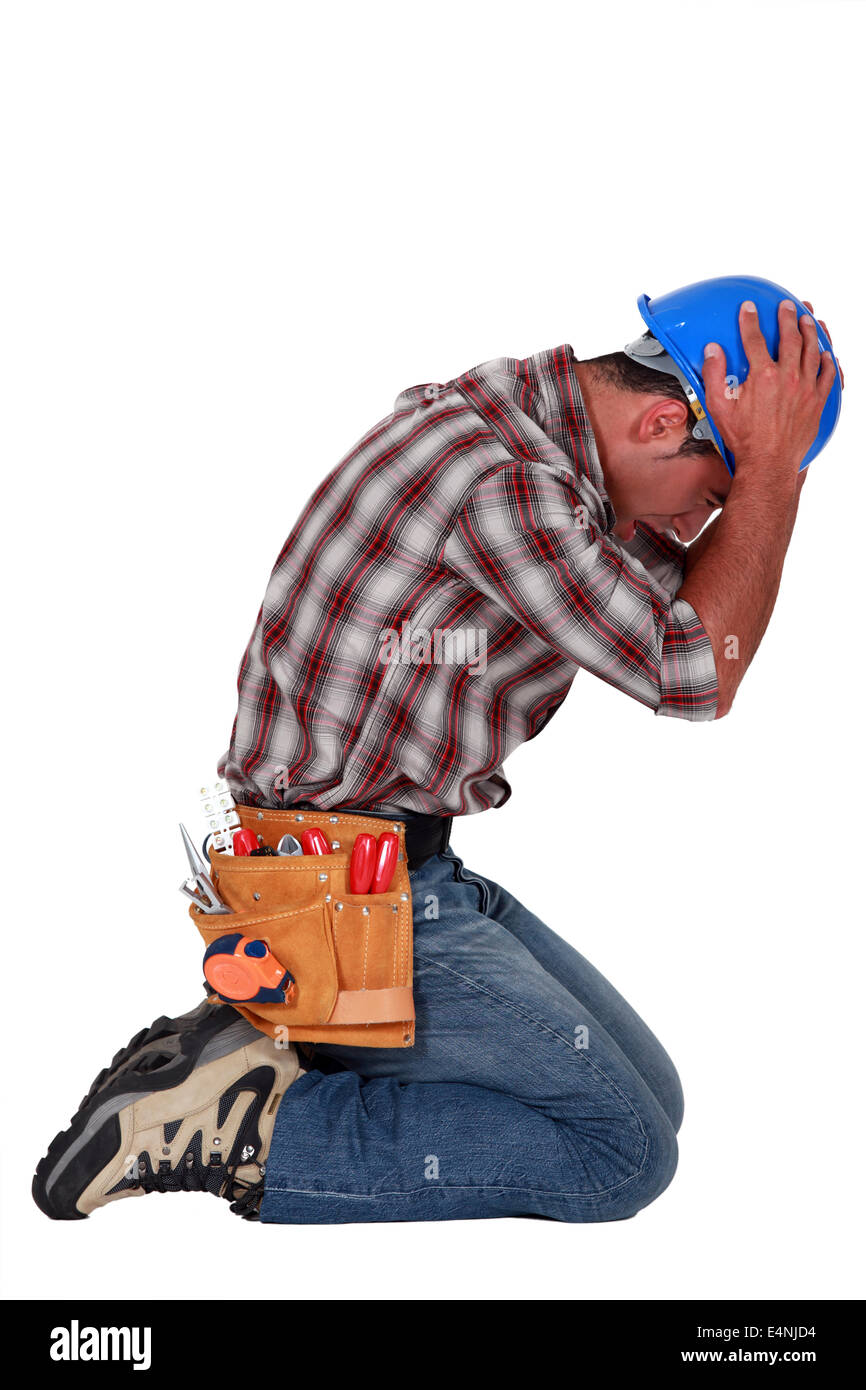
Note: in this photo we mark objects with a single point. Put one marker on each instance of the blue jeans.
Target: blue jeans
(533, 1089)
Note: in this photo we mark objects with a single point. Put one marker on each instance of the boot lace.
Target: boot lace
(192, 1175)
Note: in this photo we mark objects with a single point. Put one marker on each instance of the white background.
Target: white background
(232, 233)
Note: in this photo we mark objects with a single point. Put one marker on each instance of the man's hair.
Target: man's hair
(623, 373)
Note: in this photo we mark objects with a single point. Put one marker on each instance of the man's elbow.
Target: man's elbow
(727, 689)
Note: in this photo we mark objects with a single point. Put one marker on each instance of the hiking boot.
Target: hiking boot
(187, 1106)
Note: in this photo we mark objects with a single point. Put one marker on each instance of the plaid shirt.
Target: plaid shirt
(438, 594)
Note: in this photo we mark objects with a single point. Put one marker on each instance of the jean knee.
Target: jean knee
(656, 1172)
(632, 1163)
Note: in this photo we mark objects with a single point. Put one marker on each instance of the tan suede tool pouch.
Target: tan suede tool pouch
(350, 954)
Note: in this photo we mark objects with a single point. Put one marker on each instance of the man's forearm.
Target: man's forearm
(768, 423)
(732, 582)
(697, 547)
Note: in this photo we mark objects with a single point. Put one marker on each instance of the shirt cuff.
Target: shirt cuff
(689, 687)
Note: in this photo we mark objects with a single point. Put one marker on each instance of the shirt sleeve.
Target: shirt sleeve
(524, 540)
(660, 557)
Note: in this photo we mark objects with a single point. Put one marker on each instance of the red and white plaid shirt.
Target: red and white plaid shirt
(439, 593)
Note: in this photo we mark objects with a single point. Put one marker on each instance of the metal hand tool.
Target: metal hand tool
(199, 887)
(289, 845)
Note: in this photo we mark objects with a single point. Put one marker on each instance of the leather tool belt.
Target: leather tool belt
(348, 956)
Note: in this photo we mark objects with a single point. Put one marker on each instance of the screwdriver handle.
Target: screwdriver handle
(362, 865)
(386, 862)
(313, 841)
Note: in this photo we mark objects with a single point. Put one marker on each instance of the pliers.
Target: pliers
(199, 887)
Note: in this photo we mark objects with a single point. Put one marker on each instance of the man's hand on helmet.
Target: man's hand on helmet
(827, 331)
(770, 421)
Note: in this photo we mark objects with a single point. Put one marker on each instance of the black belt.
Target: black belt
(425, 835)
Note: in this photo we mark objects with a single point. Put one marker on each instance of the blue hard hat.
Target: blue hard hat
(681, 323)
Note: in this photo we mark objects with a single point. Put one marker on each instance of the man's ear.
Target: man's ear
(665, 418)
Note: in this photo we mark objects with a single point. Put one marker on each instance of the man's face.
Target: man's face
(649, 481)
(676, 494)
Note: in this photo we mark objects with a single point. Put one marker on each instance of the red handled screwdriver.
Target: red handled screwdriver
(362, 865)
(313, 842)
(386, 862)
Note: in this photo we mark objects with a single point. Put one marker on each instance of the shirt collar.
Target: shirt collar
(515, 394)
